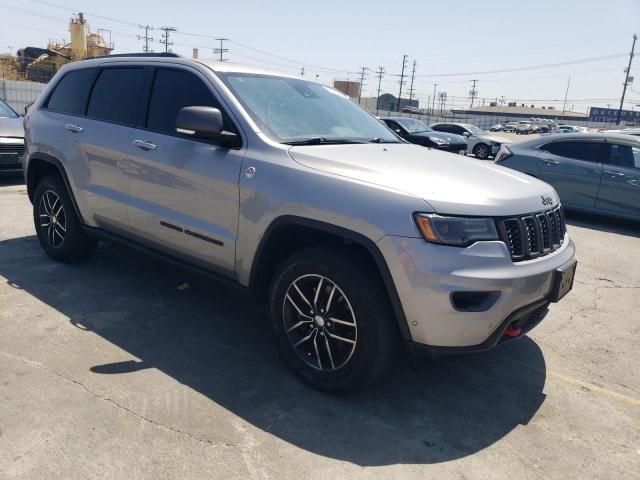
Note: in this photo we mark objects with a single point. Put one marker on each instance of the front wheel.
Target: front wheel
(332, 320)
(481, 151)
(57, 226)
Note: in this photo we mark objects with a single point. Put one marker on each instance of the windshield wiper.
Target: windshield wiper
(379, 140)
(321, 141)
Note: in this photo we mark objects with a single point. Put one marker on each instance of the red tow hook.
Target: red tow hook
(513, 331)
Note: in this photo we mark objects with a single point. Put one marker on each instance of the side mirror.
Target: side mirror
(466, 134)
(205, 123)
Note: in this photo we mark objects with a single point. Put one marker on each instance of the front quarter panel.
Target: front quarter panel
(273, 185)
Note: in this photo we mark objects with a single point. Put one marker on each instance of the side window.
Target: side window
(116, 95)
(443, 127)
(72, 92)
(586, 151)
(457, 130)
(392, 125)
(173, 90)
(624, 156)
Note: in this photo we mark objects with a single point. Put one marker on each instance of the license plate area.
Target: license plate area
(563, 281)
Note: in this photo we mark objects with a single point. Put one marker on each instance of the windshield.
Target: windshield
(475, 130)
(6, 111)
(291, 110)
(413, 126)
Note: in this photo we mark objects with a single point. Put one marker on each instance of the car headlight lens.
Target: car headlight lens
(455, 231)
(439, 141)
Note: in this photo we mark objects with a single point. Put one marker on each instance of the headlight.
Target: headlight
(455, 231)
(438, 140)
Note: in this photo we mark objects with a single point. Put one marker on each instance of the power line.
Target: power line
(221, 50)
(404, 64)
(165, 37)
(146, 37)
(626, 78)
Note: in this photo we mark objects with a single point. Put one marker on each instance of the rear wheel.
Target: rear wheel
(481, 151)
(57, 226)
(332, 320)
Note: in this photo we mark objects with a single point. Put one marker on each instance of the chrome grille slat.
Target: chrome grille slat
(533, 235)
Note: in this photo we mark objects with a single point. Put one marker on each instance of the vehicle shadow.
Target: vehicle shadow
(216, 340)
(9, 180)
(603, 223)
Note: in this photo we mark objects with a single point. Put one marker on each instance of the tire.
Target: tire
(481, 151)
(350, 354)
(57, 226)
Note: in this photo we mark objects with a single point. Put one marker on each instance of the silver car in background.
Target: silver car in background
(593, 172)
(11, 141)
(480, 143)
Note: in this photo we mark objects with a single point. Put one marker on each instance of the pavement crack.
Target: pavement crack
(113, 402)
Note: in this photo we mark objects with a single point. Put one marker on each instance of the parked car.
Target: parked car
(409, 109)
(362, 243)
(11, 141)
(524, 128)
(509, 127)
(591, 172)
(498, 127)
(479, 142)
(417, 132)
(626, 131)
(566, 129)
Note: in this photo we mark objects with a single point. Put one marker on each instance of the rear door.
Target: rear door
(574, 168)
(185, 193)
(620, 189)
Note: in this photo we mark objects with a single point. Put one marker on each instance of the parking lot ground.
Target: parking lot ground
(124, 367)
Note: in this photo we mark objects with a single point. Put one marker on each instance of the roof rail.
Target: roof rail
(138, 54)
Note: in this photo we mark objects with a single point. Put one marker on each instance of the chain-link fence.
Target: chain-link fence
(20, 93)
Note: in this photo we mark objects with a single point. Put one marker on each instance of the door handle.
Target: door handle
(614, 174)
(144, 145)
(73, 128)
(551, 162)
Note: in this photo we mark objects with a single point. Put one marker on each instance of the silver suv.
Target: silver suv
(363, 243)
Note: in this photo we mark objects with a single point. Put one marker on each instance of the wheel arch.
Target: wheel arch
(287, 234)
(41, 165)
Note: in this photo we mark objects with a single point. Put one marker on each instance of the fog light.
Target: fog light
(473, 301)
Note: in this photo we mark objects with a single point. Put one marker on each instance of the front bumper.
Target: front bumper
(426, 275)
(454, 147)
(11, 153)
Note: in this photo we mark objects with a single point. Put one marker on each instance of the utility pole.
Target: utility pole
(302, 72)
(165, 37)
(145, 37)
(473, 93)
(433, 99)
(626, 78)
(404, 64)
(566, 92)
(362, 72)
(380, 75)
(413, 74)
(221, 51)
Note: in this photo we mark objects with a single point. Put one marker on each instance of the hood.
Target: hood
(11, 127)
(495, 138)
(449, 183)
(450, 137)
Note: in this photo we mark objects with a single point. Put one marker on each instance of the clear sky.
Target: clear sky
(334, 39)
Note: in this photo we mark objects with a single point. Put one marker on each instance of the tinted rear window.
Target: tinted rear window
(587, 151)
(72, 92)
(173, 90)
(117, 94)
